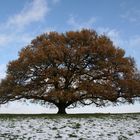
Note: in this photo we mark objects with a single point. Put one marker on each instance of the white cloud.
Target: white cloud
(32, 12)
(14, 29)
(4, 39)
(135, 42)
(113, 34)
(76, 24)
(20, 107)
(14, 38)
(116, 37)
(134, 48)
(2, 71)
(13, 33)
(55, 1)
(133, 15)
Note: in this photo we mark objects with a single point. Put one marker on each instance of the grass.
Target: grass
(53, 116)
(71, 126)
(73, 135)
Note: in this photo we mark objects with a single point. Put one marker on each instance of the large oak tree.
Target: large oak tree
(69, 69)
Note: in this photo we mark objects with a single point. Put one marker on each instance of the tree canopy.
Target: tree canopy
(70, 69)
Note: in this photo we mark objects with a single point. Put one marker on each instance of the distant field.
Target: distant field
(70, 127)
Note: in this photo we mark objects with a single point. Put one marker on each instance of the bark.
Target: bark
(61, 109)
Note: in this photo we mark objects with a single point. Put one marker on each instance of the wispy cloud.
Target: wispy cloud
(134, 45)
(2, 71)
(133, 15)
(75, 23)
(4, 39)
(15, 32)
(14, 29)
(111, 33)
(116, 37)
(55, 1)
(32, 12)
(133, 48)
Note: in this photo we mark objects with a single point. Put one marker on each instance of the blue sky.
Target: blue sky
(21, 21)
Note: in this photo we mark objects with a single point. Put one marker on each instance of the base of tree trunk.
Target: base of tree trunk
(61, 110)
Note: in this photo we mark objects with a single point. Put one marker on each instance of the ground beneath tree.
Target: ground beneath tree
(73, 127)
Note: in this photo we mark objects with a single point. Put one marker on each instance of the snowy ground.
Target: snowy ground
(94, 127)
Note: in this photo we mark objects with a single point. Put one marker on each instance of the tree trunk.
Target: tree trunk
(61, 109)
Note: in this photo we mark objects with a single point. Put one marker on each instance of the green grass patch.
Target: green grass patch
(54, 116)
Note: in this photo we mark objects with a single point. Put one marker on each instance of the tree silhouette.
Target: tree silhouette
(70, 69)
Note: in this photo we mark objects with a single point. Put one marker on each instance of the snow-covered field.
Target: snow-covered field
(92, 127)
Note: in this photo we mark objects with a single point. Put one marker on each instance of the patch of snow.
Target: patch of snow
(106, 128)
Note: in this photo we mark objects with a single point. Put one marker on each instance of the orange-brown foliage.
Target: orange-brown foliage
(70, 68)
